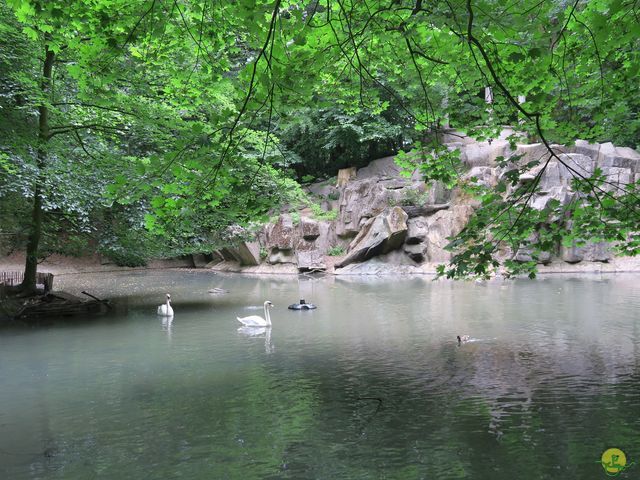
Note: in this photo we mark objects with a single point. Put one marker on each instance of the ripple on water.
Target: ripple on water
(372, 384)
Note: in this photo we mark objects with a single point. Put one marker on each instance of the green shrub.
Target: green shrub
(124, 253)
(336, 251)
(320, 214)
(307, 178)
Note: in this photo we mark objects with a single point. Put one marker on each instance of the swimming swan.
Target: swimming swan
(463, 339)
(165, 310)
(257, 320)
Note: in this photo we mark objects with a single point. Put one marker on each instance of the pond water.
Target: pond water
(372, 384)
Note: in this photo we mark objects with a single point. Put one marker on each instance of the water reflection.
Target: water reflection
(261, 332)
(167, 324)
(372, 384)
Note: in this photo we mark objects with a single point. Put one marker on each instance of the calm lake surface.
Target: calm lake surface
(372, 384)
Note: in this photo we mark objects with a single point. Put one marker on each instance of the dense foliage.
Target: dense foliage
(150, 127)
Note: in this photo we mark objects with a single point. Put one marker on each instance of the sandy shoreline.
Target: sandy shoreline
(62, 265)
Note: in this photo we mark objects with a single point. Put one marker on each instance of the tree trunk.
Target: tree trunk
(31, 264)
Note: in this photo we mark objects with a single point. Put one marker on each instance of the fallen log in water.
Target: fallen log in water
(60, 304)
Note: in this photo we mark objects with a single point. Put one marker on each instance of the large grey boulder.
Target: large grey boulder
(345, 175)
(427, 237)
(591, 252)
(381, 168)
(216, 257)
(484, 154)
(562, 172)
(309, 228)
(484, 176)
(526, 252)
(360, 201)
(229, 254)
(315, 239)
(323, 190)
(606, 155)
(414, 245)
(437, 192)
(451, 136)
(243, 253)
(248, 253)
(282, 234)
(309, 257)
(561, 193)
(595, 151)
(423, 210)
(556, 180)
(441, 226)
(281, 240)
(392, 263)
(327, 236)
(277, 256)
(200, 260)
(381, 234)
(304, 244)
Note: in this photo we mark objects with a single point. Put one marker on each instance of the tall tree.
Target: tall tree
(192, 96)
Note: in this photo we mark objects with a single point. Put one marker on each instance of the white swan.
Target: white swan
(165, 310)
(257, 320)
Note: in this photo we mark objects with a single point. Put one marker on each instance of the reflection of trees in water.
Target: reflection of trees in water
(499, 414)
(540, 402)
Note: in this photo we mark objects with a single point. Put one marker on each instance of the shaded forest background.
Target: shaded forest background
(147, 129)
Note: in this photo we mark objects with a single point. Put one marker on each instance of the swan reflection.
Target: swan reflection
(258, 332)
(167, 323)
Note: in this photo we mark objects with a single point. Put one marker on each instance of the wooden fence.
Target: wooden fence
(43, 280)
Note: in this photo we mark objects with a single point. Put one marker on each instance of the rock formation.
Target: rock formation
(381, 234)
(392, 224)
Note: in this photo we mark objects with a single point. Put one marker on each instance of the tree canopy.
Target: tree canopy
(151, 126)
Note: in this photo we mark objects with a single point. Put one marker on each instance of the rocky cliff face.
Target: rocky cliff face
(390, 224)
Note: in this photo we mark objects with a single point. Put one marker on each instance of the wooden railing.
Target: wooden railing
(43, 279)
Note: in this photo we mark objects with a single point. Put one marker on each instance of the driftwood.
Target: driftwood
(61, 304)
(105, 302)
(424, 210)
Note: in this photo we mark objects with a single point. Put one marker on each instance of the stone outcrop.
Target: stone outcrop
(310, 229)
(200, 260)
(591, 252)
(354, 212)
(428, 236)
(313, 245)
(309, 258)
(379, 235)
(485, 176)
(380, 169)
(249, 253)
(281, 240)
(244, 253)
(396, 224)
(413, 211)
